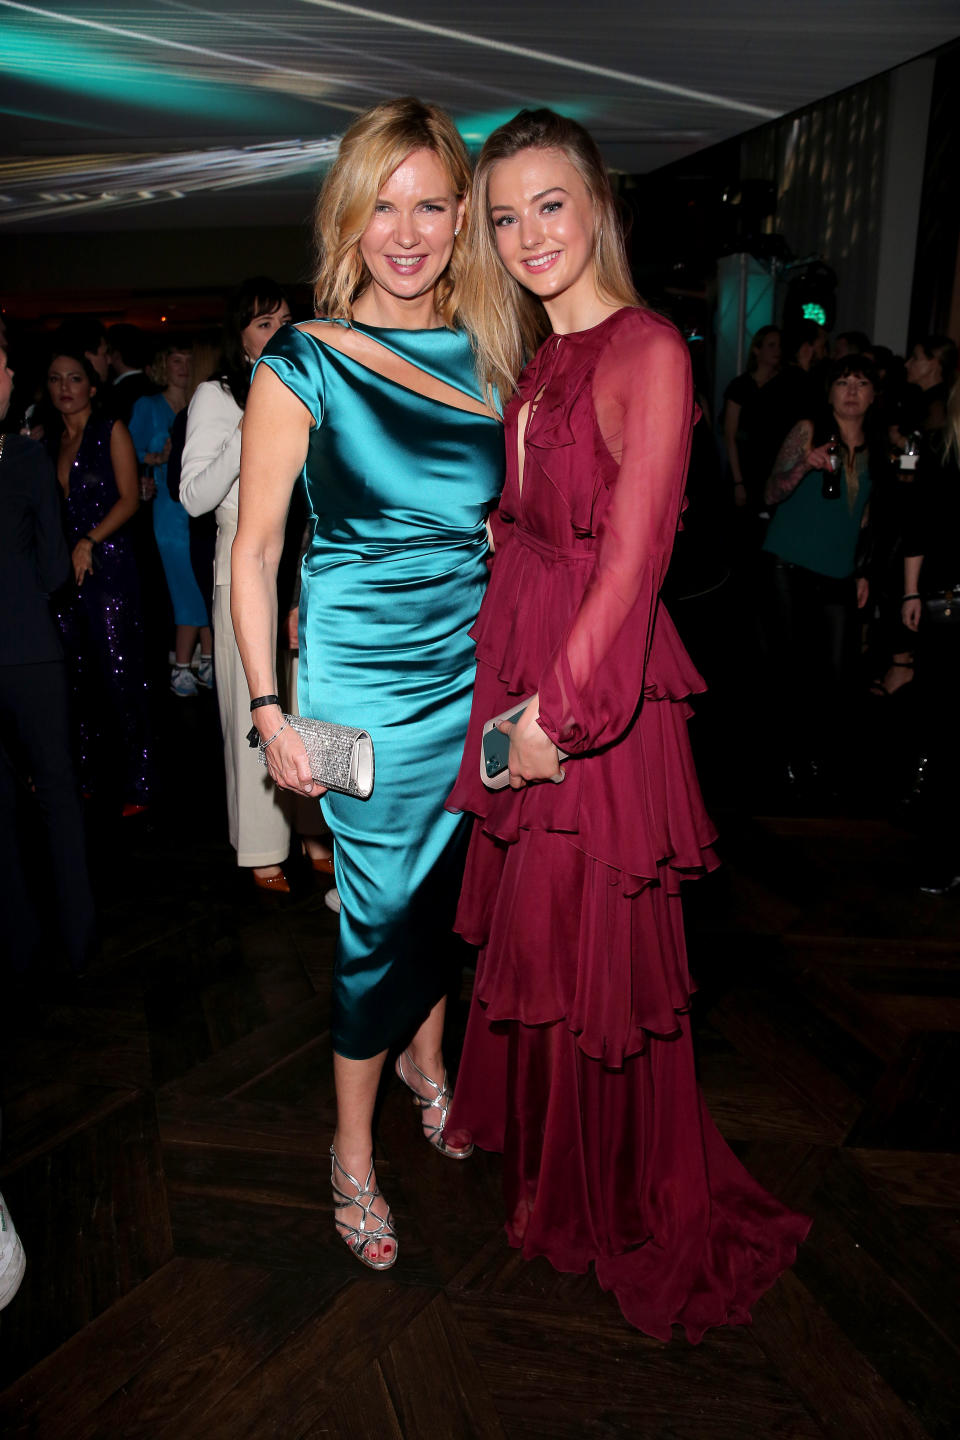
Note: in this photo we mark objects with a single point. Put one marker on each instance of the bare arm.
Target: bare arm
(911, 610)
(731, 421)
(791, 464)
(276, 432)
(123, 458)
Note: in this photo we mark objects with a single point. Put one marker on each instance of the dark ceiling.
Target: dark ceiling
(175, 114)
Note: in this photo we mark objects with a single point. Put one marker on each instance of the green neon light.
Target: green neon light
(94, 71)
(816, 313)
(476, 128)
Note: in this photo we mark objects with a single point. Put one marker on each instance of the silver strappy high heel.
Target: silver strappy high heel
(440, 1101)
(372, 1230)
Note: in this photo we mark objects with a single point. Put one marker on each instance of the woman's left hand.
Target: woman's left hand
(533, 755)
(863, 591)
(82, 559)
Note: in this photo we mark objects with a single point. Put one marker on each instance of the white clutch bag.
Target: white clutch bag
(341, 758)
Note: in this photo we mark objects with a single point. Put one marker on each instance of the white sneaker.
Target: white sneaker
(332, 900)
(12, 1259)
(205, 672)
(181, 681)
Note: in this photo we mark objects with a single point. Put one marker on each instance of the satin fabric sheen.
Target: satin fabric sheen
(399, 488)
(578, 1063)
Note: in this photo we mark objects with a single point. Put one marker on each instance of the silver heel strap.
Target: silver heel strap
(372, 1229)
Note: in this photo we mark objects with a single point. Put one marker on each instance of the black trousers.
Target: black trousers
(814, 639)
(36, 765)
(938, 733)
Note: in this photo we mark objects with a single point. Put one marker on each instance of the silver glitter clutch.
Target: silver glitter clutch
(341, 758)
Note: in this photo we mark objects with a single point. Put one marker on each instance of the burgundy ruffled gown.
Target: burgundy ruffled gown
(578, 1063)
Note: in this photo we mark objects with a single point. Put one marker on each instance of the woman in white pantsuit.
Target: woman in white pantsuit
(258, 814)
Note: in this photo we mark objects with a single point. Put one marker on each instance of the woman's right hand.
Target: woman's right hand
(820, 459)
(287, 763)
(82, 559)
(910, 612)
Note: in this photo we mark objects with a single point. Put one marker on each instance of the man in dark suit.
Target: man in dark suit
(127, 353)
(35, 751)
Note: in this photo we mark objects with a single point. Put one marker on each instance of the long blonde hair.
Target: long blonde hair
(375, 144)
(507, 322)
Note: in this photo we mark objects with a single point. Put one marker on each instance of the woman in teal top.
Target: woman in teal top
(379, 407)
(822, 492)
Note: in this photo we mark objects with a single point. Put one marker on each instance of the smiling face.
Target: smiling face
(178, 369)
(851, 397)
(408, 241)
(261, 328)
(70, 390)
(543, 221)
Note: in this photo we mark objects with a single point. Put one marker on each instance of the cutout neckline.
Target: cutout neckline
(398, 366)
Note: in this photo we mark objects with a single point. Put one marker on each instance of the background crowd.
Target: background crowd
(813, 579)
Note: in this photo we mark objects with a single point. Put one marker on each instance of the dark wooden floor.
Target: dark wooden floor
(167, 1124)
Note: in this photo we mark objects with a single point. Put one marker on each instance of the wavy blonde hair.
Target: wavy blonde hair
(507, 322)
(157, 369)
(370, 151)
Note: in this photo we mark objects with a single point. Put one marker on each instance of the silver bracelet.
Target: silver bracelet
(264, 744)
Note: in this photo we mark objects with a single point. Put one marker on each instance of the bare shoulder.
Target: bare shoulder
(335, 333)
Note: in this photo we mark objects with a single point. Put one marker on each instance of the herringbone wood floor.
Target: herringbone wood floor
(165, 1160)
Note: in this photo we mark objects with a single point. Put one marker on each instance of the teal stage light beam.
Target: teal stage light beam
(476, 128)
(40, 55)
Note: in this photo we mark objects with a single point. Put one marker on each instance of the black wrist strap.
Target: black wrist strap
(914, 596)
(264, 700)
(92, 538)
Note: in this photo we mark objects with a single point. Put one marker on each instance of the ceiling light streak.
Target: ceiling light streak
(78, 185)
(78, 122)
(544, 57)
(378, 88)
(181, 45)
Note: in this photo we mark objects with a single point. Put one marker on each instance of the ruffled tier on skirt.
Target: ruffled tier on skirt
(626, 1170)
(634, 806)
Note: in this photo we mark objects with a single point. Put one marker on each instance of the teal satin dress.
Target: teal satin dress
(399, 488)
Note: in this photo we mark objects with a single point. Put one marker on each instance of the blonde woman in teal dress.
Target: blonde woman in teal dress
(378, 406)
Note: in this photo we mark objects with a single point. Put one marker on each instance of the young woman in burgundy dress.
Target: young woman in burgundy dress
(578, 1063)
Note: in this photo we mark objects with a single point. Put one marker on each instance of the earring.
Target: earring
(456, 232)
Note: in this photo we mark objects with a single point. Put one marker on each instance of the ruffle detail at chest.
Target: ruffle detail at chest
(562, 441)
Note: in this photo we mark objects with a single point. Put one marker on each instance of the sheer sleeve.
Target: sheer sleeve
(643, 397)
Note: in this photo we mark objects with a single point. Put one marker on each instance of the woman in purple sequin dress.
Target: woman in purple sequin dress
(99, 608)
